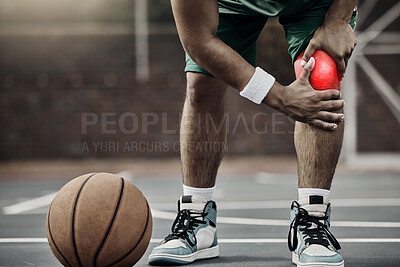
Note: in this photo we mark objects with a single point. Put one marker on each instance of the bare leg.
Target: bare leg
(203, 130)
(317, 155)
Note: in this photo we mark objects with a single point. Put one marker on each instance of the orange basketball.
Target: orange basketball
(99, 219)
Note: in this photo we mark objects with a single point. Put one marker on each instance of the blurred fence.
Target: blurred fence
(69, 88)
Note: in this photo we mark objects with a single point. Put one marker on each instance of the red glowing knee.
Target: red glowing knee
(324, 75)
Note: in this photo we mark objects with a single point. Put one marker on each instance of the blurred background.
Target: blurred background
(96, 79)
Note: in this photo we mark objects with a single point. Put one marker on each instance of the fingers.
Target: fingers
(306, 72)
(323, 125)
(330, 105)
(329, 94)
(326, 119)
(329, 116)
(311, 48)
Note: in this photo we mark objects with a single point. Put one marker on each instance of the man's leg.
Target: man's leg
(203, 140)
(203, 143)
(317, 155)
(203, 130)
(310, 239)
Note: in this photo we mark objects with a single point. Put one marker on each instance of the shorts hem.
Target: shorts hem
(196, 69)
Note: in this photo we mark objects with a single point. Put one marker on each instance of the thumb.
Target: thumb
(305, 74)
(308, 53)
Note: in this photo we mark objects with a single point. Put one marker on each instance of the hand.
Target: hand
(335, 37)
(301, 102)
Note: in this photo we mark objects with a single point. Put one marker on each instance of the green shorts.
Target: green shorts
(240, 26)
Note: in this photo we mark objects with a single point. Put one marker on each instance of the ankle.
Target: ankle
(306, 193)
(314, 200)
(206, 193)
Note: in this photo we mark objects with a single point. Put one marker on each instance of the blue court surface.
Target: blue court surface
(253, 220)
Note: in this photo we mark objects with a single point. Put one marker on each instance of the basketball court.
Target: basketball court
(253, 212)
(64, 62)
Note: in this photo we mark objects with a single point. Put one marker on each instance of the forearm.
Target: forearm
(222, 62)
(340, 10)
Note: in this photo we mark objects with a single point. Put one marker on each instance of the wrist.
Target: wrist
(335, 21)
(259, 86)
(274, 98)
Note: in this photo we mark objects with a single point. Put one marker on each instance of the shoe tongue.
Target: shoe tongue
(314, 205)
(193, 203)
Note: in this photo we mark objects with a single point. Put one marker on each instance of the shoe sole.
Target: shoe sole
(295, 260)
(170, 259)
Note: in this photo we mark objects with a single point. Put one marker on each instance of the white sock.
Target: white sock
(206, 193)
(305, 193)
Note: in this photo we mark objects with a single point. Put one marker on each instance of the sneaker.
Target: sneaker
(193, 237)
(311, 242)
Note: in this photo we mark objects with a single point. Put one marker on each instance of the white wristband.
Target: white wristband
(258, 86)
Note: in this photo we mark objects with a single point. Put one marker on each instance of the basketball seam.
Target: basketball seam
(140, 239)
(73, 218)
(111, 223)
(53, 241)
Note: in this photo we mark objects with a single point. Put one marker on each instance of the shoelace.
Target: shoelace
(185, 222)
(319, 234)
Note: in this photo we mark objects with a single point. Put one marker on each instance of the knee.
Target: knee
(203, 90)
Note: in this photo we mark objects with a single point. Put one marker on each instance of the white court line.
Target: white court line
(159, 214)
(284, 240)
(28, 205)
(254, 221)
(281, 204)
(45, 200)
(36, 203)
(23, 240)
(227, 240)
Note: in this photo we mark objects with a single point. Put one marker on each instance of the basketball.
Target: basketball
(99, 219)
(324, 75)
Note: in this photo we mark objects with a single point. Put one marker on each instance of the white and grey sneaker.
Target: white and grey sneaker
(193, 237)
(310, 240)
